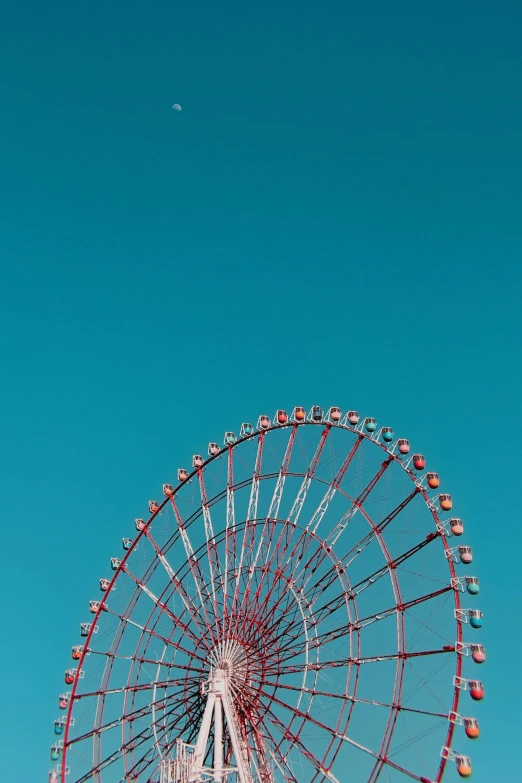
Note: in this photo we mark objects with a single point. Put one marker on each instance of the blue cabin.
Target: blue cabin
(387, 434)
(55, 752)
(247, 429)
(230, 438)
(475, 618)
(472, 585)
(58, 727)
(370, 424)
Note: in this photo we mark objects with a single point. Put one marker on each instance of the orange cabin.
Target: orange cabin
(433, 480)
(446, 503)
(471, 727)
(463, 766)
(282, 417)
(76, 653)
(299, 414)
(182, 474)
(419, 463)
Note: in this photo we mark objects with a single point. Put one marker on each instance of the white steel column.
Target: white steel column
(218, 741)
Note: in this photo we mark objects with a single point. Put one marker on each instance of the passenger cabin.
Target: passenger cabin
(55, 752)
(419, 463)
(404, 445)
(335, 414)
(316, 413)
(230, 438)
(154, 506)
(387, 434)
(213, 449)
(370, 424)
(472, 585)
(76, 653)
(465, 554)
(446, 503)
(69, 676)
(471, 727)
(433, 480)
(476, 690)
(475, 618)
(140, 524)
(478, 653)
(182, 474)
(126, 543)
(63, 701)
(247, 429)
(264, 422)
(282, 417)
(463, 766)
(353, 417)
(168, 490)
(58, 726)
(197, 461)
(456, 526)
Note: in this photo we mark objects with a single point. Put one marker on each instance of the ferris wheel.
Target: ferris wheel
(291, 611)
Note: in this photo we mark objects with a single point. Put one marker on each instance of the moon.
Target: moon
(176, 106)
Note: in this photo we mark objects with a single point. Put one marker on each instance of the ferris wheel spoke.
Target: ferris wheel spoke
(130, 716)
(184, 627)
(249, 531)
(348, 661)
(214, 565)
(147, 686)
(357, 503)
(150, 632)
(187, 601)
(298, 503)
(343, 696)
(322, 508)
(230, 534)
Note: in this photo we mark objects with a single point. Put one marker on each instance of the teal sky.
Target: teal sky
(334, 217)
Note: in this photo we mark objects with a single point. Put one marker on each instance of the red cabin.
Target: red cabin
(476, 690)
(282, 417)
(76, 653)
(153, 506)
(69, 677)
(433, 480)
(419, 463)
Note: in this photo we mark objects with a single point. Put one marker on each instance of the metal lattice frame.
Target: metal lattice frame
(287, 612)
